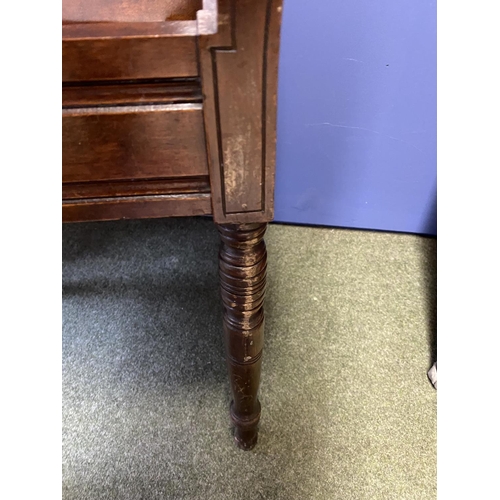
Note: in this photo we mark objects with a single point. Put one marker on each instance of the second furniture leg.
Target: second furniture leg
(242, 268)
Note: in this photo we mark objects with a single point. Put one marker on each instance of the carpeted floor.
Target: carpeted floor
(347, 409)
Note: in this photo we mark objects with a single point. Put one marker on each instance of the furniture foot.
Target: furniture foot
(242, 270)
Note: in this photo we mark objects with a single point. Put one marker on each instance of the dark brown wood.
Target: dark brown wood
(136, 207)
(80, 190)
(136, 142)
(239, 79)
(129, 59)
(242, 270)
(131, 93)
(176, 116)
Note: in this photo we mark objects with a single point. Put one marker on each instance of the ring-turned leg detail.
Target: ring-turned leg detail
(242, 269)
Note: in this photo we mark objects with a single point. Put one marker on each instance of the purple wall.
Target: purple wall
(357, 115)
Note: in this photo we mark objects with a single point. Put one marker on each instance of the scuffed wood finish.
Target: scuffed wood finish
(136, 207)
(239, 80)
(242, 270)
(169, 109)
(133, 142)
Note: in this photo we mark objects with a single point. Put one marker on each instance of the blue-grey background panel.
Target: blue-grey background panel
(357, 115)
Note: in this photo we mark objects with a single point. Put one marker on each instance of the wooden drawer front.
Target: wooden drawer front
(133, 142)
(134, 58)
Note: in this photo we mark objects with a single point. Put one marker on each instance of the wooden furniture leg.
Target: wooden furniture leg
(171, 111)
(242, 269)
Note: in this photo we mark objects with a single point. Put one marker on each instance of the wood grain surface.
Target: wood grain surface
(129, 10)
(133, 142)
(242, 271)
(239, 79)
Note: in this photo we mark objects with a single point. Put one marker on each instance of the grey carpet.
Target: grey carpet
(348, 411)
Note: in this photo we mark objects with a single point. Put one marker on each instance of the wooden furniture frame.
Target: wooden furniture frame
(177, 117)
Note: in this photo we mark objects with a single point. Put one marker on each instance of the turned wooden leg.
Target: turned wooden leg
(242, 269)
